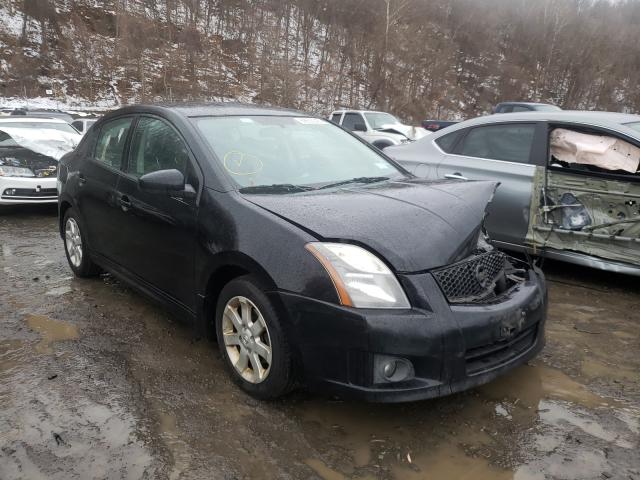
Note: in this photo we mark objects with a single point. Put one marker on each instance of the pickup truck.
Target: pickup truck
(381, 129)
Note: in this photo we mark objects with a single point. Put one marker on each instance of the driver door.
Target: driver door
(159, 228)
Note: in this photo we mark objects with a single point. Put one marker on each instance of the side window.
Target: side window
(351, 119)
(335, 118)
(448, 142)
(78, 125)
(111, 142)
(156, 146)
(511, 143)
(519, 108)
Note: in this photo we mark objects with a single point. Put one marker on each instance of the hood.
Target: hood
(415, 225)
(412, 133)
(45, 141)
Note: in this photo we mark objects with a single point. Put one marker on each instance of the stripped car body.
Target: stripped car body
(29, 152)
(570, 186)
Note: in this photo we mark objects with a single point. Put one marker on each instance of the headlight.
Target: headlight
(361, 279)
(15, 172)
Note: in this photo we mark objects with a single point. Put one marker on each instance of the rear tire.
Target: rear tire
(251, 340)
(75, 246)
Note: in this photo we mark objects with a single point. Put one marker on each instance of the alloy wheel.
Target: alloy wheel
(246, 339)
(73, 242)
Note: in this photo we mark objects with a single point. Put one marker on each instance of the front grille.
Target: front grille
(29, 193)
(472, 280)
(487, 357)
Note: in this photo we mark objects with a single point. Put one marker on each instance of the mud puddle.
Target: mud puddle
(472, 436)
(104, 384)
(51, 331)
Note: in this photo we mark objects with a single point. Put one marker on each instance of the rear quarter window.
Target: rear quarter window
(448, 142)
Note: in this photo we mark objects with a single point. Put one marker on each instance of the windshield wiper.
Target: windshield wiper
(276, 188)
(354, 180)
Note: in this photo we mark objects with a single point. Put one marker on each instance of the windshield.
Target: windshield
(62, 127)
(634, 125)
(271, 150)
(378, 120)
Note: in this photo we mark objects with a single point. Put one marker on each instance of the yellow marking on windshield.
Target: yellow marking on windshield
(240, 163)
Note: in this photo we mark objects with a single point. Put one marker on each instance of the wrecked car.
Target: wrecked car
(29, 152)
(380, 129)
(350, 277)
(570, 185)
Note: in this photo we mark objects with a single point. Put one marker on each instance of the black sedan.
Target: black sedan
(312, 258)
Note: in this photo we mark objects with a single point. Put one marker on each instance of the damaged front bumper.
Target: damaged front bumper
(434, 349)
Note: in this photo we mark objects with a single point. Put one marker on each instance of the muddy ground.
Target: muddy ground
(98, 382)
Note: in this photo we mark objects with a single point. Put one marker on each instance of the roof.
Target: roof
(603, 119)
(28, 119)
(218, 109)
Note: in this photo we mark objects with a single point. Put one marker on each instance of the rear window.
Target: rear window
(448, 142)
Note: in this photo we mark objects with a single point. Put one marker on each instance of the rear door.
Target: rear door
(159, 228)
(508, 153)
(585, 201)
(97, 177)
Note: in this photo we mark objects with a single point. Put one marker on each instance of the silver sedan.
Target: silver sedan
(570, 181)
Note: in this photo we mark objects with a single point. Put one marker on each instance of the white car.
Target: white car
(381, 129)
(30, 148)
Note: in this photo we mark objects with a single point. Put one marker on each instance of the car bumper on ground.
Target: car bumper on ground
(20, 190)
(429, 351)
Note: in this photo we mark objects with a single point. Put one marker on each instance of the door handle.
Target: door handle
(125, 203)
(456, 176)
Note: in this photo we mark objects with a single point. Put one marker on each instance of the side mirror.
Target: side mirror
(359, 127)
(168, 181)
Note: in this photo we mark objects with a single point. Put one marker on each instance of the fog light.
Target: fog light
(392, 369)
(10, 191)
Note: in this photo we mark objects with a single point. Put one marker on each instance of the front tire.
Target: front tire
(75, 246)
(251, 340)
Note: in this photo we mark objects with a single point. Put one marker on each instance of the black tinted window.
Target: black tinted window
(78, 126)
(156, 146)
(335, 118)
(351, 119)
(111, 142)
(500, 142)
(448, 142)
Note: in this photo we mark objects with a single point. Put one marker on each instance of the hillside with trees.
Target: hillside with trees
(416, 58)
